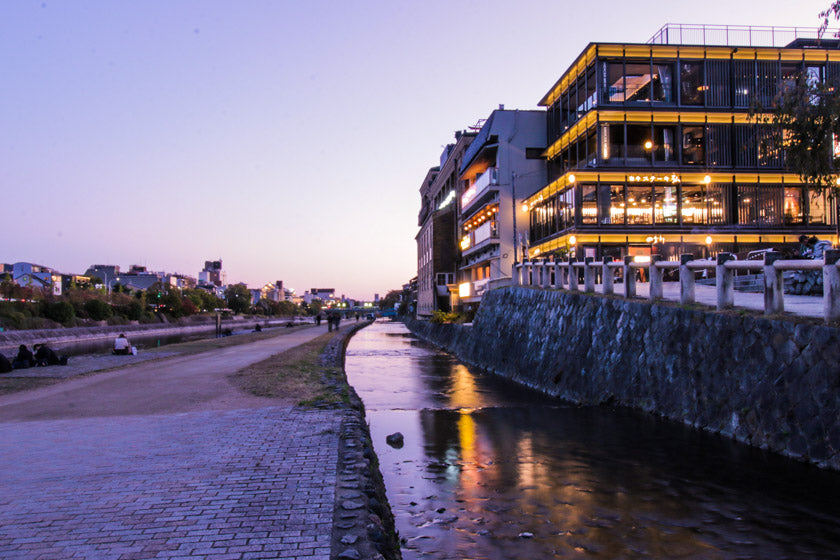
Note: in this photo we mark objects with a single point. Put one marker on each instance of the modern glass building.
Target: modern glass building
(653, 148)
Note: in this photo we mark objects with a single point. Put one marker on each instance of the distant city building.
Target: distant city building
(502, 167)
(105, 272)
(36, 276)
(212, 274)
(437, 240)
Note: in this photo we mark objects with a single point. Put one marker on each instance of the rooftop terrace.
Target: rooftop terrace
(740, 35)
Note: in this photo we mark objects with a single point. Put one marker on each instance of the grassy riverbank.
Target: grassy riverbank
(297, 374)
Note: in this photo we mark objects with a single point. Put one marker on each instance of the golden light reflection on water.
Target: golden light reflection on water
(464, 393)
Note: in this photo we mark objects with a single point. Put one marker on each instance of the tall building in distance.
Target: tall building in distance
(437, 240)
(212, 274)
(652, 148)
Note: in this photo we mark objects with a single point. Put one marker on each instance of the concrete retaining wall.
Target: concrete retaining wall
(769, 383)
(10, 340)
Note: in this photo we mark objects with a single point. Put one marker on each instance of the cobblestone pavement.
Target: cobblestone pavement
(255, 483)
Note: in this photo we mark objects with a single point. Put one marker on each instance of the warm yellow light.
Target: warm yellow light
(641, 259)
(536, 252)
(572, 240)
(464, 289)
(648, 145)
(708, 240)
(524, 207)
(571, 178)
(707, 179)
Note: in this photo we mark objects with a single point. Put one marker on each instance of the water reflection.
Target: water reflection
(491, 470)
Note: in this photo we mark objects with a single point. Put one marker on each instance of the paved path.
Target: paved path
(167, 460)
(805, 306)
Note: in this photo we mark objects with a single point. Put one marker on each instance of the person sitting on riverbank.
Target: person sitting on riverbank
(5, 364)
(45, 356)
(24, 358)
(122, 346)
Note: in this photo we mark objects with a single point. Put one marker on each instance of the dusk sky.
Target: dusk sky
(288, 139)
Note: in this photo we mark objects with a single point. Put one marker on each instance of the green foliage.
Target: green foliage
(61, 312)
(315, 306)
(171, 304)
(440, 317)
(98, 310)
(390, 299)
(238, 298)
(806, 117)
(287, 308)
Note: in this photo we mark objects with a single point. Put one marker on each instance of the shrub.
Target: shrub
(98, 310)
(440, 317)
(60, 312)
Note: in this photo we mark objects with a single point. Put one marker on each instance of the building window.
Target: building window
(664, 144)
(665, 204)
(591, 148)
(760, 205)
(662, 83)
(817, 208)
(767, 81)
(639, 144)
(588, 204)
(794, 209)
(612, 144)
(616, 205)
(720, 145)
(693, 145)
(637, 82)
(639, 206)
(692, 86)
(745, 76)
(613, 82)
(719, 92)
(746, 154)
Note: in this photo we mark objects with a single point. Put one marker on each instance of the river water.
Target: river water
(490, 470)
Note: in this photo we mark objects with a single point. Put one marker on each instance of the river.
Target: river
(491, 470)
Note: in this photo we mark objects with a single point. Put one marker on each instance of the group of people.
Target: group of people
(811, 247)
(41, 355)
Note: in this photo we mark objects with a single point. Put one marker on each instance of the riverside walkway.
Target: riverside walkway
(166, 459)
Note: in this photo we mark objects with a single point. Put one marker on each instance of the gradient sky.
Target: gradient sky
(287, 138)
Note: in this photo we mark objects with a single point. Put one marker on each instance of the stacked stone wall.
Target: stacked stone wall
(770, 383)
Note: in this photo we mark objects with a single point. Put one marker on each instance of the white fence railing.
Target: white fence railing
(566, 275)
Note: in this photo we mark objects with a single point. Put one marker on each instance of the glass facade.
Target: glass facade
(672, 116)
(733, 206)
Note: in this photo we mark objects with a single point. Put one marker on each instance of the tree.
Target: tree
(390, 299)
(238, 298)
(98, 310)
(315, 306)
(832, 11)
(806, 116)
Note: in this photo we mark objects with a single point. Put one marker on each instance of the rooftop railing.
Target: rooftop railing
(734, 35)
(566, 275)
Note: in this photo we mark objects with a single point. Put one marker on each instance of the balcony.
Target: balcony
(480, 186)
(476, 238)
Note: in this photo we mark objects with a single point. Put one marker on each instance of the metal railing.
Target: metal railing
(733, 35)
(566, 275)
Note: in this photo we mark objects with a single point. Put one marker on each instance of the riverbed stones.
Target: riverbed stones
(395, 440)
(695, 366)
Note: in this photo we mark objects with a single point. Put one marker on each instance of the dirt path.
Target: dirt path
(191, 383)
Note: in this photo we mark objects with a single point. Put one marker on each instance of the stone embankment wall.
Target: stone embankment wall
(770, 383)
(10, 340)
